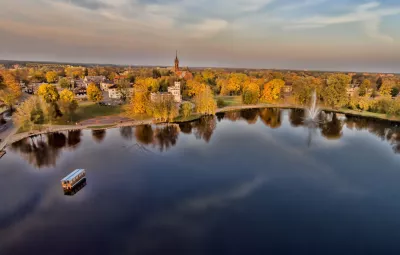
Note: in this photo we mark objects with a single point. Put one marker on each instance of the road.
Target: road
(6, 131)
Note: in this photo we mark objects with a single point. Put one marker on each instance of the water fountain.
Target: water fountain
(313, 111)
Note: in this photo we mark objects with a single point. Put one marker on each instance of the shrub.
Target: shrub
(220, 103)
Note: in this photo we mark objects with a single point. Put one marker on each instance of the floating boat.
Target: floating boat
(73, 179)
(80, 185)
(2, 153)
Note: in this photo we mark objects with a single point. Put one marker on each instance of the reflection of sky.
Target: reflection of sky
(250, 182)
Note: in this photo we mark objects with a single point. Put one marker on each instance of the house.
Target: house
(176, 91)
(105, 85)
(80, 93)
(78, 83)
(93, 79)
(351, 89)
(114, 93)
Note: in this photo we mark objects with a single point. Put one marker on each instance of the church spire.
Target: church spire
(176, 62)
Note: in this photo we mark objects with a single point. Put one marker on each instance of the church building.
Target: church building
(181, 74)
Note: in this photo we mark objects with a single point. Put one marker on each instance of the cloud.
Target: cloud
(298, 5)
(88, 4)
(207, 28)
(369, 14)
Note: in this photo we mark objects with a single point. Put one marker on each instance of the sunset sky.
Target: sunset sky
(353, 35)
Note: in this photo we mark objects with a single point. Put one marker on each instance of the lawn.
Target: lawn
(192, 117)
(230, 100)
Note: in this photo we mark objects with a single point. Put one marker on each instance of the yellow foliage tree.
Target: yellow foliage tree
(234, 84)
(68, 104)
(205, 103)
(48, 92)
(195, 87)
(140, 101)
(386, 88)
(272, 90)
(51, 76)
(251, 92)
(94, 93)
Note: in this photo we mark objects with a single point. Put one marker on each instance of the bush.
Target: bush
(220, 103)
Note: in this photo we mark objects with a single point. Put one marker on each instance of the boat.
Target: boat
(80, 185)
(73, 179)
(2, 153)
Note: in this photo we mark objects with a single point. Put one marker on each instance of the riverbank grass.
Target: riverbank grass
(192, 117)
(230, 100)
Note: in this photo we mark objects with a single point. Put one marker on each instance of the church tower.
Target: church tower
(176, 62)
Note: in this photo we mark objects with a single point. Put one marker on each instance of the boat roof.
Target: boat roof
(73, 174)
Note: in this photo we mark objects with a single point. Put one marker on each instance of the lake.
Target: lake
(247, 182)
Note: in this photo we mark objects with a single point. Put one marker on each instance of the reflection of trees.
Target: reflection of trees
(74, 138)
(126, 132)
(250, 115)
(144, 134)
(204, 127)
(332, 129)
(296, 117)
(186, 127)
(232, 116)
(220, 116)
(41, 151)
(271, 117)
(99, 135)
(166, 137)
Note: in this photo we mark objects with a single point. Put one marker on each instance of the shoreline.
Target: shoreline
(55, 128)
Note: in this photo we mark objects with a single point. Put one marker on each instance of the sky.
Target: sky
(337, 35)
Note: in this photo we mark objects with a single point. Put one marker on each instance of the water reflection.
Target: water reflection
(99, 135)
(44, 150)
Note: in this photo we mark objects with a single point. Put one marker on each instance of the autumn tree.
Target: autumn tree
(251, 93)
(48, 92)
(67, 101)
(28, 114)
(51, 76)
(234, 84)
(64, 83)
(335, 92)
(364, 88)
(10, 91)
(205, 103)
(386, 88)
(164, 108)
(94, 93)
(140, 100)
(272, 90)
(186, 109)
(123, 88)
(194, 87)
(303, 87)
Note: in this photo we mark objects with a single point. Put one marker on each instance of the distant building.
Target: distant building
(154, 97)
(93, 79)
(113, 92)
(105, 85)
(176, 91)
(351, 89)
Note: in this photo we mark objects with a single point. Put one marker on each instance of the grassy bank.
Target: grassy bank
(230, 100)
(192, 117)
(102, 127)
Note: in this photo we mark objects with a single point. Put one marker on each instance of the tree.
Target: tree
(140, 100)
(303, 88)
(8, 97)
(194, 88)
(29, 113)
(123, 88)
(164, 109)
(94, 93)
(10, 92)
(251, 93)
(364, 88)
(386, 88)
(272, 90)
(205, 103)
(68, 104)
(49, 93)
(234, 84)
(186, 109)
(64, 83)
(335, 93)
(51, 76)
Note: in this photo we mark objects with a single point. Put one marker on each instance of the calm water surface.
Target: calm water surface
(249, 182)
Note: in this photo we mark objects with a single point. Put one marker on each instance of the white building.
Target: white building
(176, 91)
(95, 79)
(113, 92)
(105, 85)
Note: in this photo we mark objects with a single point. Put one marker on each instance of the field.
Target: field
(230, 100)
